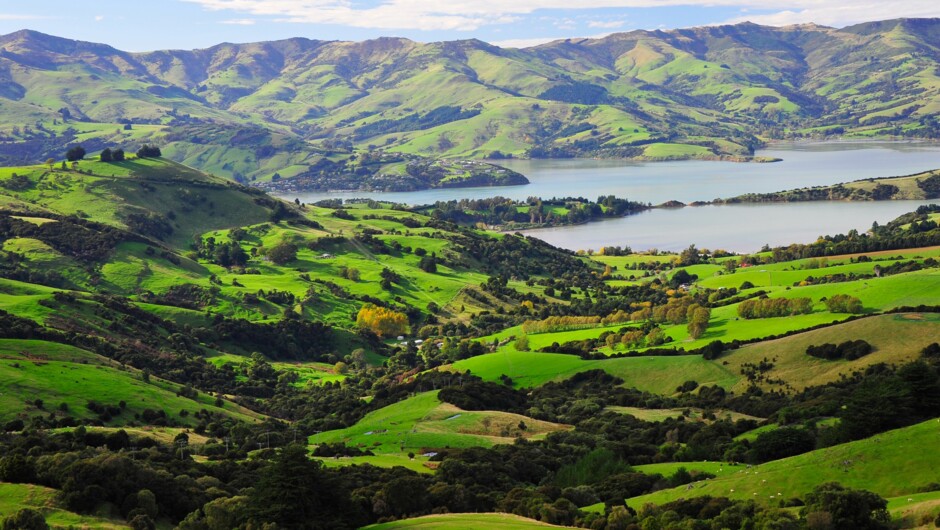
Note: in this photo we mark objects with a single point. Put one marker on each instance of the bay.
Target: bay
(741, 228)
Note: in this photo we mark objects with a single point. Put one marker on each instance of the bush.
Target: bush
(25, 519)
(848, 350)
(75, 153)
(149, 151)
(843, 303)
(282, 253)
(774, 307)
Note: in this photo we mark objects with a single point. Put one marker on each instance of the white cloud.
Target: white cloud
(609, 24)
(845, 13)
(472, 14)
(239, 22)
(99, 18)
(8, 16)
(523, 43)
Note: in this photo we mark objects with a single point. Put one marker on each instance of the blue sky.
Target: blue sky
(140, 25)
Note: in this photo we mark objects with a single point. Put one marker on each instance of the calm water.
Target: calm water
(736, 228)
(740, 228)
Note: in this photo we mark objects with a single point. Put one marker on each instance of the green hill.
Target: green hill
(874, 464)
(496, 521)
(38, 377)
(14, 497)
(423, 423)
(301, 107)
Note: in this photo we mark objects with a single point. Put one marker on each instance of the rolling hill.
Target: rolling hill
(300, 107)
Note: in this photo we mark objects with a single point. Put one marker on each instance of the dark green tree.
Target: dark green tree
(296, 492)
(25, 519)
(148, 151)
(107, 155)
(282, 253)
(75, 153)
(846, 509)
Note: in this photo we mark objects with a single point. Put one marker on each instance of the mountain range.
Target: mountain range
(301, 107)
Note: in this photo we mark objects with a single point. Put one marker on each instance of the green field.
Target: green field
(659, 375)
(56, 374)
(461, 521)
(423, 423)
(691, 414)
(874, 464)
(667, 469)
(895, 338)
(14, 497)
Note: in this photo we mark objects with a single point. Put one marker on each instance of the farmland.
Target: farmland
(410, 365)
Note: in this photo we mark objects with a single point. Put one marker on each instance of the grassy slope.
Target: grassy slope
(693, 414)
(461, 521)
(423, 422)
(14, 497)
(55, 373)
(394, 78)
(654, 374)
(113, 190)
(908, 189)
(896, 338)
(874, 464)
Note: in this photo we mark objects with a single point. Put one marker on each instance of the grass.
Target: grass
(109, 192)
(911, 511)
(56, 374)
(657, 415)
(667, 469)
(896, 338)
(14, 497)
(464, 521)
(881, 464)
(661, 375)
(792, 272)
(307, 372)
(423, 423)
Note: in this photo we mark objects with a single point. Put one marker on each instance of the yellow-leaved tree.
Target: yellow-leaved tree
(381, 321)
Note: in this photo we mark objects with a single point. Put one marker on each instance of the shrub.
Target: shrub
(843, 303)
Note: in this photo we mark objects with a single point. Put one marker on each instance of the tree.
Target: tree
(106, 155)
(25, 519)
(118, 155)
(50, 162)
(75, 153)
(381, 321)
(846, 509)
(282, 253)
(295, 492)
(689, 256)
(844, 303)
(428, 264)
(698, 320)
(16, 468)
(148, 151)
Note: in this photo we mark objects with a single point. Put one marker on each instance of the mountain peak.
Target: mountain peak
(28, 40)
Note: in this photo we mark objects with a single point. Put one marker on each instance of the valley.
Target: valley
(150, 307)
(310, 284)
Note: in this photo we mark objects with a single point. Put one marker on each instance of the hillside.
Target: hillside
(921, 186)
(864, 464)
(175, 347)
(300, 107)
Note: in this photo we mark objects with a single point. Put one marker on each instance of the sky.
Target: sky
(144, 25)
